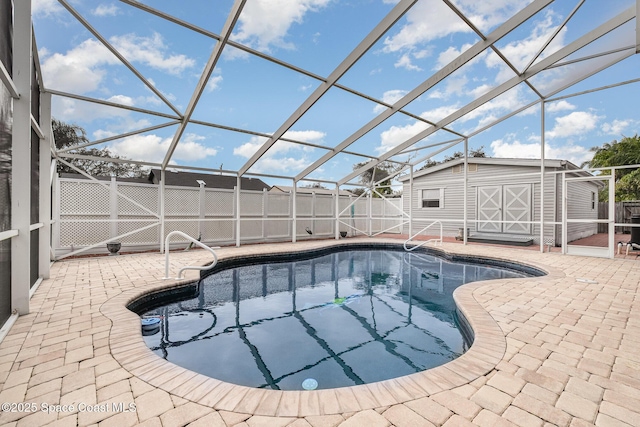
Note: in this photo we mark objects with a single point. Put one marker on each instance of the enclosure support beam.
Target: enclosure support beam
(337, 212)
(234, 15)
(637, 27)
(44, 239)
(21, 159)
(162, 203)
(612, 214)
(201, 208)
(466, 184)
(410, 200)
(369, 41)
(294, 212)
(542, 198)
(540, 66)
(564, 213)
(237, 193)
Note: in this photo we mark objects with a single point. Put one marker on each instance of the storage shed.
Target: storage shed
(503, 200)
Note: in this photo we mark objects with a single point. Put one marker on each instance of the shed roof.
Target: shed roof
(548, 163)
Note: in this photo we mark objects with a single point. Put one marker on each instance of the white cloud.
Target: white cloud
(573, 124)
(519, 52)
(511, 147)
(554, 107)
(405, 62)
(265, 23)
(68, 109)
(439, 113)
(83, 68)
(390, 97)
(151, 51)
(618, 127)
(106, 10)
(122, 99)
(118, 127)
(45, 7)
(446, 56)
(153, 148)
(421, 28)
(282, 156)
(80, 70)
(487, 14)
(214, 83)
(395, 135)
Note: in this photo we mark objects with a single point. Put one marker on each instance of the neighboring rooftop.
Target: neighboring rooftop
(190, 179)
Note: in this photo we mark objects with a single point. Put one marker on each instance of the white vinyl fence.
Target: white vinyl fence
(88, 213)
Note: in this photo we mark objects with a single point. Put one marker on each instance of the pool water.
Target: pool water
(341, 319)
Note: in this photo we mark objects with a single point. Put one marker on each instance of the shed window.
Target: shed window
(593, 200)
(433, 198)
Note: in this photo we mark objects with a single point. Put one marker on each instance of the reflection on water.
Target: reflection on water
(342, 319)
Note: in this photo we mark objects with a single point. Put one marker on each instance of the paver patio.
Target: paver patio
(562, 349)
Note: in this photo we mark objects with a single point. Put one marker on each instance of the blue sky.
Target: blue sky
(251, 93)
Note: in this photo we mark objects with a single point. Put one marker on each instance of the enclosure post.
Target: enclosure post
(612, 213)
(336, 211)
(113, 208)
(466, 184)
(44, 243)
(21, 159)
(370, 209)
(238, 228)
(542, 199)
(294, 210)
(265, 212)
(201, 213)
(564, 212)
(162, 203)
(313, 211)
(56, 213)
(411, 201)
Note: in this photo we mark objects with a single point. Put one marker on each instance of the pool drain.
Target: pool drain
(309, 384)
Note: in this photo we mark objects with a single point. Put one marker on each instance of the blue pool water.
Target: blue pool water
(341, 319)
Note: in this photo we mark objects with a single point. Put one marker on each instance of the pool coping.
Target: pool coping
(488, 349)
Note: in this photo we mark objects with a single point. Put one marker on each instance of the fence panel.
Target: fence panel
(90, 212)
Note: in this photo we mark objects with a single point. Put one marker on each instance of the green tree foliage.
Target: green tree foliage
(479, 152)
(382, 172)
(70, 135)
(619, 153)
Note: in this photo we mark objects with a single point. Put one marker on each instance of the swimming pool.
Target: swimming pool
(340, 319)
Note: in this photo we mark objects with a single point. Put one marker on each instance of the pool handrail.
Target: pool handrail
(188, 267)
(435, 241)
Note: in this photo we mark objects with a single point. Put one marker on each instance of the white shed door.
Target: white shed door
(490, 208)
(504, 203)
(517, 207)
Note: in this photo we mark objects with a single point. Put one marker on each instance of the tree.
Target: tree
(619, 153)
(381, 172)
(478, 152)
(70, 135)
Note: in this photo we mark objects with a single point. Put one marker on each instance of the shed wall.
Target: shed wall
(451, 214)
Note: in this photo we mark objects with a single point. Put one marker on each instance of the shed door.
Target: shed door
(504, 203)
(490, 208)
(517, 207)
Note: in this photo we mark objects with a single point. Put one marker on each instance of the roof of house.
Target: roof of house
(308, 190)
(189, 179)
(549, 163)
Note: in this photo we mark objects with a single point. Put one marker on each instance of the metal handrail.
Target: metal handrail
(189, 267)
(436, 241)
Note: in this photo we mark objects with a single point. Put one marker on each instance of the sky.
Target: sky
(251, 93)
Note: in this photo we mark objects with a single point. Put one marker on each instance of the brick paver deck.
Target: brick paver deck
(563, 349)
